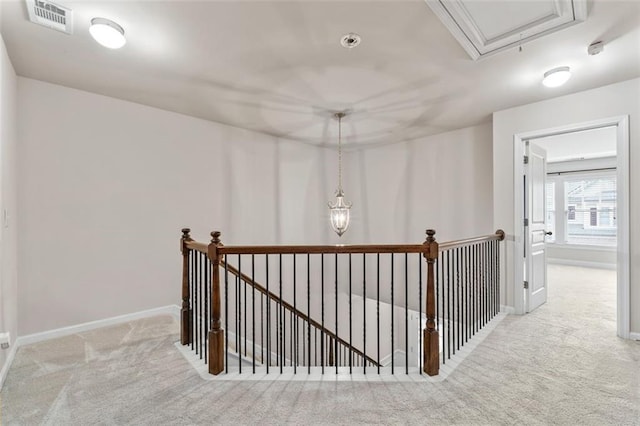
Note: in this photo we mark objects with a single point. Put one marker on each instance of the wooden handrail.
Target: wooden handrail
(324, 249)
(194, 245)
(333, 249)
(499, 236)
(289, 307)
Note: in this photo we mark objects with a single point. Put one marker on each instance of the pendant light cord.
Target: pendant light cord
(339, 151)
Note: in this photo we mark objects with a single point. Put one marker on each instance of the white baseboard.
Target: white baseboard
(634, 336)
(509, 310)
(92, 325)
(397, 354)
(582, 263)
(7, 363)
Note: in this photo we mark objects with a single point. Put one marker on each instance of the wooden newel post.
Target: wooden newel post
(186, 319)
(216, 333)
(431, 349)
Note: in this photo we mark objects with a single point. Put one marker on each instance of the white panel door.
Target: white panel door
(535, 230)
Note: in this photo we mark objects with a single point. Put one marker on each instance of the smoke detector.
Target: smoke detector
(595, 48)
(350, 40)
(50, 15)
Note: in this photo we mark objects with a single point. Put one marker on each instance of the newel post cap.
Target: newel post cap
(215, 237)
(432, 246)
(186, 237)
(430, 235)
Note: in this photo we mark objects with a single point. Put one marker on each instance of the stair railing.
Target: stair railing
(207, 269)
(310, 323)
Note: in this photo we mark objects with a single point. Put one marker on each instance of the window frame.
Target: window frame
(562, 215)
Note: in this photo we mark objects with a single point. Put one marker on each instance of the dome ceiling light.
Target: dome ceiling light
(108, 33)
(556, 77)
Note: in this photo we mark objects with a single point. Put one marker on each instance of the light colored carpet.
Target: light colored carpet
(561, 364)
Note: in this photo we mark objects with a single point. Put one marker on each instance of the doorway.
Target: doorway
(581, 224)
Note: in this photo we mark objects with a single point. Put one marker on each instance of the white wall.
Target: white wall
(590, 257)
(441, 182)
(400, 190)
(609, 101)
(8, 144)
(105, 186)
(593, 143)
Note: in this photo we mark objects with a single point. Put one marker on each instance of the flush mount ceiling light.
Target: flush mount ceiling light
(556, 77)
(340, 209)
(107, 33)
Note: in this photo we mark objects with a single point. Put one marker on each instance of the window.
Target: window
(589, 201)
(551, 211)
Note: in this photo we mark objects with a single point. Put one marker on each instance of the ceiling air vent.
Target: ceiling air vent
(50, 15)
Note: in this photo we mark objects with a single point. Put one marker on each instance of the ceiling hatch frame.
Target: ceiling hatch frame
(469, 25)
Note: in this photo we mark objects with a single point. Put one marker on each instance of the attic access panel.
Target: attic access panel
(487, 27)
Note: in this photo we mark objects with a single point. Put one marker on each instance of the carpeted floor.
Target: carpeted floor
(561, 364)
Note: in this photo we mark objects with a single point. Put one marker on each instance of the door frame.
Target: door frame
(622, 175)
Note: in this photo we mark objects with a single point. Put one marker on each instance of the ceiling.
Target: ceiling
(277, 67)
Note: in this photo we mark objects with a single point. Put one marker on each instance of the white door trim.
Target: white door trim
(622, 170)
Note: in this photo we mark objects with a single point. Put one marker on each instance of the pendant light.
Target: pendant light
(339, 211)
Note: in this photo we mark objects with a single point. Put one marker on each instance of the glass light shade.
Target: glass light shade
(107, 33)
(556, 77)
(340, 214)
